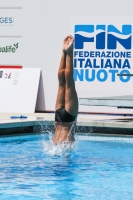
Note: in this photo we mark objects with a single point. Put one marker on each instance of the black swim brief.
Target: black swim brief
(61, 115)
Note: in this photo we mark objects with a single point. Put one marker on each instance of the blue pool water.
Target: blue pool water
(93, 170)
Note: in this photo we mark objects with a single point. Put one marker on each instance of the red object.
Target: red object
(11, 67)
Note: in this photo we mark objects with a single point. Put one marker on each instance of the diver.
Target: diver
(67, 101)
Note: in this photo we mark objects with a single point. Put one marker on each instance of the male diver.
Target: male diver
(67, 100)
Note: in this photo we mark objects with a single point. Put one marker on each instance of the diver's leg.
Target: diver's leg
(71, 99)
(60, 100)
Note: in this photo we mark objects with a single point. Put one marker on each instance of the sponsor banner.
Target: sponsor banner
(99, 58)
(11, 20)
(103, 56)
(11, 34)
(9, 49)
(6, 20)
(106, 59)
(18, 38)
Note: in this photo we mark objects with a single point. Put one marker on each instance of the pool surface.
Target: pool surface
(93, 169)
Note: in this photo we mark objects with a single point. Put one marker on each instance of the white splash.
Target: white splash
(63, 149)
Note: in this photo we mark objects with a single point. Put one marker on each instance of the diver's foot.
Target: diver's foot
(68, 44)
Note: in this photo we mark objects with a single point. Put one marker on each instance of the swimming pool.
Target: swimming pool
(96, 168)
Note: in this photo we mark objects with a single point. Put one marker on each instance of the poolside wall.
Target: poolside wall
(39, 28)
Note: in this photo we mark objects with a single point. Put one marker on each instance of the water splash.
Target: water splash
(63, 149)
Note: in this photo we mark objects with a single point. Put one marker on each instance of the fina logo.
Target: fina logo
(113, 36)
(102, 52)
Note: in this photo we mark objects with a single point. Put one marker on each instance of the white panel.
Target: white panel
(18, 90)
